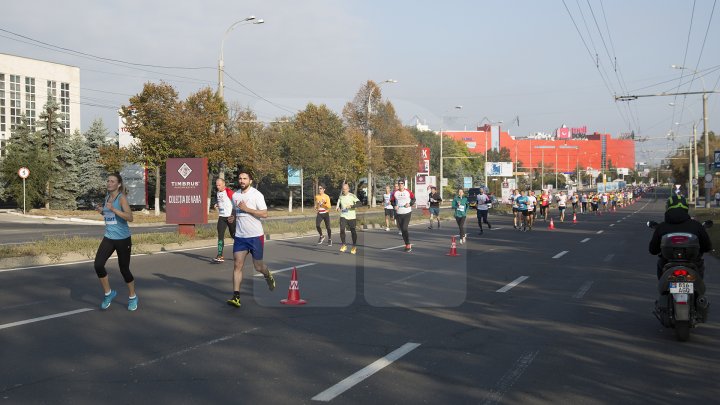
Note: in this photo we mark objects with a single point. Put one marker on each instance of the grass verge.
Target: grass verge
(714, 232)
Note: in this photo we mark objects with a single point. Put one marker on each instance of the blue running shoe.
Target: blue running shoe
(132, 303)
(107, 300)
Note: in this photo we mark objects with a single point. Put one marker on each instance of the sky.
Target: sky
(534, 64)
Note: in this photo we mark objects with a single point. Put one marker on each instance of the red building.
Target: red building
(590, 152)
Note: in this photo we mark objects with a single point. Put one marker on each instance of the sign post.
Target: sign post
(186, 193)
(23, 172)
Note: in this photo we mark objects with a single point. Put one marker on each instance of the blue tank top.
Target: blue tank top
(116, 228)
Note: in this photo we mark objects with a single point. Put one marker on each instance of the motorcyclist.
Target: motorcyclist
(677, 219)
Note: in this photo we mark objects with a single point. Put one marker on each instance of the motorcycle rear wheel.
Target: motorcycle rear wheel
(682, 330)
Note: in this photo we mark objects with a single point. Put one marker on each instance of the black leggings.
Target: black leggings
(222, 225)
(482, 216)
(461, 224)
(350, 223)
(320, 218)
(403, 220)
(123, 247)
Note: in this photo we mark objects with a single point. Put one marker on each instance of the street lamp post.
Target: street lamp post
(486, 146)
(370, 193)
(442, 121)
(568, 158)
(542, 163)
(221, 61)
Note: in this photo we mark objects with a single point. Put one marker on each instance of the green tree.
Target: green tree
(66, 189)
(90, 162)
(154, 118)
(51, 131)
(25, 149)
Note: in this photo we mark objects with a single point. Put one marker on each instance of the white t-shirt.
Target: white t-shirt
(482, 202)
(403, 198)
(246, 225)
(386, 202)
(532, 202)
(562, 200)
(224, 202)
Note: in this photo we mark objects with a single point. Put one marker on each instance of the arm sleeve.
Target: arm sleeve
(229, 193)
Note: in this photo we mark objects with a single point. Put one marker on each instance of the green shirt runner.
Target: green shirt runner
(345, 201)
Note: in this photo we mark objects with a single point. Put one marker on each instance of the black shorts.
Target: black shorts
(389, 212)
(525, 213)
(515, 209)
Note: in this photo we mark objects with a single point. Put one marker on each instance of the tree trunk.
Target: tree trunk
(157, 190)
(290, 201)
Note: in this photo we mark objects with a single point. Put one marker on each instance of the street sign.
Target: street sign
(717, 159)
(23, 172)
(467, 182)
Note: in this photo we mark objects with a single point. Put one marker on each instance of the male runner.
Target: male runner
(322, 206)
(249, 206)
(522, 204)
(224, 206)
(388, 206)
(434, 203)
(532, 209)
(346, 205)
(562, 204)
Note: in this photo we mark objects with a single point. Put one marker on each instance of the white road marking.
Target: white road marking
(612, 224)
(599, 232)
(609, 257)
(44, 318)
(285, 269)
(513, 284)
(189, 349)
(561, 254)
(584, 240)
(618, 221)
(583, 289)
(408, 277)
(506, 382)
(344, 385)
(394, 247)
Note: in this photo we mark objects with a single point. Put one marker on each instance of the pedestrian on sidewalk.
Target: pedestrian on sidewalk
(322, 206)
(224, 207)
(116, 213)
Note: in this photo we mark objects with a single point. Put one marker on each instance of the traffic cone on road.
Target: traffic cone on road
(574, 218)
(552, 224)
(293, 292)
(453, 248)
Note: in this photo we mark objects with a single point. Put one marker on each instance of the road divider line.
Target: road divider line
(285, 269)
(584, 240)
(513, 284)
(509, 379)
(583, 289)
(599, 232)
(189, 349)
(612, 224)
(44, 318)
(344, 385)
(394, 247)
(609, 257)
(618, 221)
(561, 254)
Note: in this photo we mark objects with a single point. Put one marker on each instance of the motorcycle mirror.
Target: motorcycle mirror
(652, 224)
(708, 223)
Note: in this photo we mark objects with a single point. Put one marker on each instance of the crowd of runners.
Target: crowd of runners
(240, 213)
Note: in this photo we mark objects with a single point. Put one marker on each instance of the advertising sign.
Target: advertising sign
(467, 182)
(563, 133)
(717, 159)
(424, 161)
(134, 181)
(293, 176)
(507, 187)
(501, 169)
(623, 170)
(125, 138)
(186, 190)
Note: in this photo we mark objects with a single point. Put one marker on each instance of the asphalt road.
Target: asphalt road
(511, 320)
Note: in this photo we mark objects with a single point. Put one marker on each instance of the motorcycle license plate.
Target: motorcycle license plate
(681, 288)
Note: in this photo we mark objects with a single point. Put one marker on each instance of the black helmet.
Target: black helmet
(676, 201)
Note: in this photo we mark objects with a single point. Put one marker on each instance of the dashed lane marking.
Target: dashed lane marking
(583, 289)
(512, 284)
(286, 269)
(599, 232)
(584, 240)
(561, 254)
(609, 257)
(44, 318)
(509, 379)
(344, 385)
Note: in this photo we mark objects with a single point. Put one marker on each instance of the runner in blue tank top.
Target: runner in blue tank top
(116, 212)
(522, 204)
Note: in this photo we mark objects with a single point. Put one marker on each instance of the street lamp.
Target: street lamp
(370, 193)
(221, 61)
(542, 164)
(442, 118)
(568, 158)
(695, 159)
(486, 146)
(705, 133)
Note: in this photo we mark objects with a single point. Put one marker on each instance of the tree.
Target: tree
(90, 161)
(25, 149)
(66, 189)
(51, 130)
(154, 118)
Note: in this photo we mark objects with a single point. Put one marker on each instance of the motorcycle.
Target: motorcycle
(682, 303)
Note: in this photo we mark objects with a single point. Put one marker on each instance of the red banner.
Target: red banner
(186, 191)
(424, 161)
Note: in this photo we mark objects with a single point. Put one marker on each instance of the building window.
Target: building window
(52, 90)
(65, 106)
(3, 145)
(15, 103)
(30, 101)
(3, 128)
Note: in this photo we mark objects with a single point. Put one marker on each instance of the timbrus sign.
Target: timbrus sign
(186, 191)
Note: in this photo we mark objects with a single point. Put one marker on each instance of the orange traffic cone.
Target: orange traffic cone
(574, 218)
(453, 248)
(293, 292)
(552, 224)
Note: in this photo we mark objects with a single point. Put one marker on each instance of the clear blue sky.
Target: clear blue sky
(499, 59)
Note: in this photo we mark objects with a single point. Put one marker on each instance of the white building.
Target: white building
(26, 84)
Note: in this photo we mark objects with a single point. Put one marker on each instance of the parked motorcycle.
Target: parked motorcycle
(682, 303)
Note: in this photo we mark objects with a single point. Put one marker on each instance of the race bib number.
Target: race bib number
(240, 213)
(344, 211)
(110, 218)
(461, 208)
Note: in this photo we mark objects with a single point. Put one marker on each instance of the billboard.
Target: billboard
(186, 188)
(125, 138)
(499, 169)
(563, 133)
(422, 189)
(134, 181)
(293, 176)
(424, 161)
